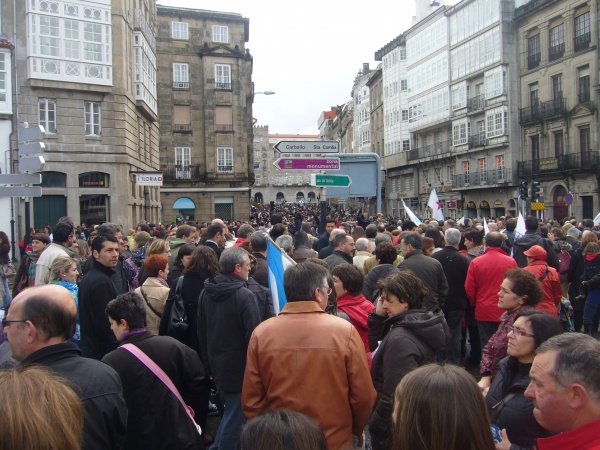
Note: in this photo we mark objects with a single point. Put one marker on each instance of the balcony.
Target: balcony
(477, 141)
(582, 41)
(476, 103)
(141, 24)
(584, 97)
(224, 128)
(182, 128)
(178, 172)
(543, 110)
(533, 60)
(221, 85)
(569, 163)
(428, 151)
(556, 52)
(485, 178)
(181, 85)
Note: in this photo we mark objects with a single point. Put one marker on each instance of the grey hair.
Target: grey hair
(285, 241)
(577, 361)
(381, 238)
(334, 233)
(258, 241)
(362, 244)
(573, 232)
(245, 230)
(452, 236)
(232, 257)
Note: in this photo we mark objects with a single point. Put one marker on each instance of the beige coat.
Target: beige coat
(157, 295)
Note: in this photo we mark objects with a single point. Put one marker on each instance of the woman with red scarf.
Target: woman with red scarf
(348, 284)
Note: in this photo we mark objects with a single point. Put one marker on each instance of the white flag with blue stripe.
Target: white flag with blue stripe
(411, 214)
(277, 262)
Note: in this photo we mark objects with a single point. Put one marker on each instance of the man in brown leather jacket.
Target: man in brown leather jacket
(310, 362)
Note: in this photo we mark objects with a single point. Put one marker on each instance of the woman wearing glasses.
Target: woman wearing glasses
(506, 402)
(520, 291)
(411, 337)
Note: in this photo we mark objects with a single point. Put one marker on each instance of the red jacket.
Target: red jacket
(484, 277)
(550, 286)
(358, 309)
(586, 437)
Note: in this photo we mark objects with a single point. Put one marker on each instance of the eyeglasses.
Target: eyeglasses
(6, 322)
(326, 290)
(519, 331)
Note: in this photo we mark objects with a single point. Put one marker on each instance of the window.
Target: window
(72, 38)
(438, 174)
(406, 145)
(496, 121)
(224, 118)
(534, 54)
(224, 160)
(467, 171)
(181, 118)
(500, 167)
(557, 87)
(451, 173)
(495, 82)
(583, 36)
(584, 139)
(557, 42)
(559, 144)
(534, 95)
(92, 119)
(220, 33)
(181, 76)
(584, 84)
(460, 131)
(535, 150)
(405, 114)
(179, 30)
(482, 170)
(459, 96)
(92, 42)
(403, 85)
(5, 83)
(222, 76)
(47, 113)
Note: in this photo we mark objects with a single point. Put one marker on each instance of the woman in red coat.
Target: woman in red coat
(547, 276)
(348, 284)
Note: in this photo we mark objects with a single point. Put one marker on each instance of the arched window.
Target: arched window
(280, 197)
(258, 197)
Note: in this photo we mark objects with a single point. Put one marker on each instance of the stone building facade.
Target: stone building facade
(86, 71)
(205, 109)
(558, 50)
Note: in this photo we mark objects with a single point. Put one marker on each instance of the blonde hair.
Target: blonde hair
(141, 238)
(83, 249)
(60, 263)
(39, 411)
(157, 247)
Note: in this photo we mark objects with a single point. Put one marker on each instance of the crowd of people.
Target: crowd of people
(153, 328)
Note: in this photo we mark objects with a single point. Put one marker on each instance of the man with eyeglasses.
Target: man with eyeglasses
(39, 323)
(305, 351)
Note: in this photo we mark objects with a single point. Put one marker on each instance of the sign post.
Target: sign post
(307, 163)
(319, 180)
(307, 147)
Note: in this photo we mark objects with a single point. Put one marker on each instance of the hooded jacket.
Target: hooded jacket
(529, 239)
(410, 339)
(227, 315)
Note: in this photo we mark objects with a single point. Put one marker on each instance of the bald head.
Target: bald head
(494, 239)
(219, 222)
(49, 316)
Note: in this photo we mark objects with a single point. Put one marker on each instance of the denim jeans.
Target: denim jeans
(589, 312)
(6, 298)
(454, 319)
(230, 428)
(486, 330)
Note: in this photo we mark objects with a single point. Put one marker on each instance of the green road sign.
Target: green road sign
(330, 180)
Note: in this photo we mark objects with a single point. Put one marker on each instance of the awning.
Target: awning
(184, 203)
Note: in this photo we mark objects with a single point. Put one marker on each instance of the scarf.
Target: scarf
(357, 307)
(33, 257)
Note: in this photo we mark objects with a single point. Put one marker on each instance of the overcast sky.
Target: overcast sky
(309, 51)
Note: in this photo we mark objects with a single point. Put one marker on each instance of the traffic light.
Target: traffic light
(523, 190)
(535, 190)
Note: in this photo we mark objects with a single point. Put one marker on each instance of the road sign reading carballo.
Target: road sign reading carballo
(330, 180)
(307, 163)
(21, 191)
(307, 147)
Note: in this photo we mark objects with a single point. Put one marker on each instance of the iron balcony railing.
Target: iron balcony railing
(221, 85)
(477, 141)
(582, 41)
(476, 103)
(533, 60)
(483, 178)
(570, 162)
(556, 52)
(182, 127)
(543, 110)
(584, 97)
(179, 172)
(181, 85)
(427, 151)
(224, 127)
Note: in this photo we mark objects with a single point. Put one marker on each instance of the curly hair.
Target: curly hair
(525, 284)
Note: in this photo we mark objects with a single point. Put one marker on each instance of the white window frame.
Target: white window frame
(46, 108)
(224, 159)
(496, 121)
(181, 75)
(459, 96)
(461, 129)
(93, 118)
(223, 76)
(495, 82)
(220, 33)
(179, 30)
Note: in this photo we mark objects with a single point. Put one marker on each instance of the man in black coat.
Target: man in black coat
(39, 322)
(157, 419)
(324, 239)
(531, 238)
(455, 268)
(96, 290)
(215, 238)
(227, 315)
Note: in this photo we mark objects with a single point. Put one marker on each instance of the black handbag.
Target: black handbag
(177, 323)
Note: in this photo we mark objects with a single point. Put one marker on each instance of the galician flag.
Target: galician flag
(435, 204)
(277, 262)
(411, 214)
(486, 229)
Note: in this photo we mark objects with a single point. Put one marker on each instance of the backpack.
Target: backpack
(176, 319)
(564, 258)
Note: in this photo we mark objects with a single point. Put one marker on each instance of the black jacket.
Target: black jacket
(574, 276)
(377, 273)
(517, 413)
(119, 277)
(455, 267)
(157, 421)
(99, 386)
(218, 250)
(431, 273)
(96, 290)
(529, 239)
(409, 340)
(261, 274)
(336, 258)
(322, 243)
(227, 315)
(264, 299)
